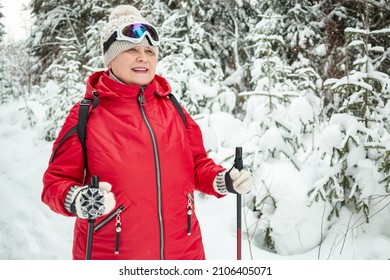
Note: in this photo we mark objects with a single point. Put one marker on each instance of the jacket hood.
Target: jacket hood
(109, 88)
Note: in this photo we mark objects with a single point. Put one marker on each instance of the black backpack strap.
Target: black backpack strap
(178, 108)
(80, 127)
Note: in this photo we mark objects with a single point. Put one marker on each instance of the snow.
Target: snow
(29, 230)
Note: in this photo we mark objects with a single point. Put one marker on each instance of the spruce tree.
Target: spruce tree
(338, 16)
(283, 106)
(361, 155)
(283, 74)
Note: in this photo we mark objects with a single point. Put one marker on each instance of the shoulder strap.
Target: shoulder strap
(82, 122)
(178, 108)
(80, 127)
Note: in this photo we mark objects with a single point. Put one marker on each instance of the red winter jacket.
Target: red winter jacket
(154, 164)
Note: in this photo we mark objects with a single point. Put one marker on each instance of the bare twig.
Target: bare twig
(322, 234)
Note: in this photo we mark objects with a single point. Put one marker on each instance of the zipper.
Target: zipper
(118, 230)
(141, 103)
(118, 225)
(109, 218)
(189, 212)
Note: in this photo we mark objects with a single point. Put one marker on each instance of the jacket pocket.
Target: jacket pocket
(118, 225)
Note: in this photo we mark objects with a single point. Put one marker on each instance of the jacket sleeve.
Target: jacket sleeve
(205, 168)
(66, 169)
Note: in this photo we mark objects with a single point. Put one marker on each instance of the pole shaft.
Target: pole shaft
(88, 253)
(238, 163)
(89, 240)
(239, 227)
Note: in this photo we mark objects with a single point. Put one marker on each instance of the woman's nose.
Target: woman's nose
(141, 55)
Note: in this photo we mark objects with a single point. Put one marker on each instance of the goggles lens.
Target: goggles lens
(134, 33)
(137, 31)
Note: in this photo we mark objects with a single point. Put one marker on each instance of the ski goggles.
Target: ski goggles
(134, 33)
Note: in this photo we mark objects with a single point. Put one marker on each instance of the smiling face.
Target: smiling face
(136, 66)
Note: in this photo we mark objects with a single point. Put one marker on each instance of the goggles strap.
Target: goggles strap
(108, 43)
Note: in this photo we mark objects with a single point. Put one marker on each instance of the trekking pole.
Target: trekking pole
(94, 184)
(238, 163)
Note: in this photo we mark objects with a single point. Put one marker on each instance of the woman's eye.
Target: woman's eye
(149, 52)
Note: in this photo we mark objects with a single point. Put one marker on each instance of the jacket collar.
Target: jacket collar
(109, 88)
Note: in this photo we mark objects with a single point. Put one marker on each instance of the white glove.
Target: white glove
(90, 203)
(233, 181)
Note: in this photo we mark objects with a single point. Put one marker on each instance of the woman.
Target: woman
(148, 161)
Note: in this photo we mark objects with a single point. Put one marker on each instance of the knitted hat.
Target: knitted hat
(121, 15)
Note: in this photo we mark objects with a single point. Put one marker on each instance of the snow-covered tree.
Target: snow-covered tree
(340, 15)
(282, 111)
(70, 88)
(58, 20)
(16, 76)
(292, 58)
(283, 75)
(361, 146)
(6, 92)
(2, 31)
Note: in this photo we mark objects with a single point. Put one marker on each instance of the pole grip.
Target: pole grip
(95, 181)
(238, 162)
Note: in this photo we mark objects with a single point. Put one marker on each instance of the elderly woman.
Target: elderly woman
(148, 160)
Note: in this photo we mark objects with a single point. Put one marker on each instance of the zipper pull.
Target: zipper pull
(118, 230)
(189, 213)
(141, 96)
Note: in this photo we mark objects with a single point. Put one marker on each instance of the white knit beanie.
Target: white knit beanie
(121, 15)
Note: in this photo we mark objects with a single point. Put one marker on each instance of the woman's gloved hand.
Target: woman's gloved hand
(90, 203)
(233, 181)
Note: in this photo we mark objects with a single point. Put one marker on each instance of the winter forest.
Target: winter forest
(303, 86)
